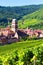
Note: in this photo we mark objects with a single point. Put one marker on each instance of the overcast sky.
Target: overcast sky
(19, 2)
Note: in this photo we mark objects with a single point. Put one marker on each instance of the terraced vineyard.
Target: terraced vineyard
(33, 20)
(22, 53)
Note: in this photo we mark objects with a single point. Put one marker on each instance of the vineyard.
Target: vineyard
(22, 53)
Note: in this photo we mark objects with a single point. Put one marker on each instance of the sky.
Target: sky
(19, 2)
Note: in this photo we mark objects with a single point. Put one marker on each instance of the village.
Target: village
(13, 34)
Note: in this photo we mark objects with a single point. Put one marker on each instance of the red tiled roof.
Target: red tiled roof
(6, 31)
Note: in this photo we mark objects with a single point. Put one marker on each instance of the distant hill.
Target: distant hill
(8, 13)
(34, 20)
(17, 12)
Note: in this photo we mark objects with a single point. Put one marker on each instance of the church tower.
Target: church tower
(14, 25)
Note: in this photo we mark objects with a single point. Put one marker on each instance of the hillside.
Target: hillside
(34, 20)
(17, 11)
(7, 13)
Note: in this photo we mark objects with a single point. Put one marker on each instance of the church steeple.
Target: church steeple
(14, 25)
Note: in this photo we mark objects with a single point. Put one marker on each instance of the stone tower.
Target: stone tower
(14, 25)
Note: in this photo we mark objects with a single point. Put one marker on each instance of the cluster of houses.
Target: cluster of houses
(37, 33)
(9, 35)
(13, 34)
